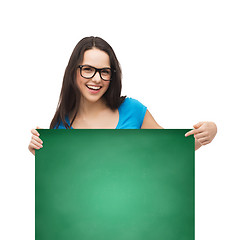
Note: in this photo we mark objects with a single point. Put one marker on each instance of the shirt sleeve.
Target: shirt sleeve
(138, 111)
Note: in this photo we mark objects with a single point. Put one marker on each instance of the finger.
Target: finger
(37, 139)
(200, 135)
(194, 131)
(35, 132)
(198, 125)
(202, 140)
(36, 143)
(206, 142)
(189, 133)
(33, 146)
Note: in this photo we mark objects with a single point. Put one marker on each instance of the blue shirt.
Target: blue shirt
(131, 115)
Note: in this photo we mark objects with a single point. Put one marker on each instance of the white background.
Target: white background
(179, 58)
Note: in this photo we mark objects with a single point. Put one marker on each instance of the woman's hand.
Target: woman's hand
(204, 132)
(36, 142)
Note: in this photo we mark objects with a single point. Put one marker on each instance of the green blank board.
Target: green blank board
(108, 184)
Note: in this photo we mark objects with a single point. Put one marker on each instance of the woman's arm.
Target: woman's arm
(149, 122)
(204, 132)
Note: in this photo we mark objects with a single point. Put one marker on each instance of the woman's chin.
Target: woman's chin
(92, 99)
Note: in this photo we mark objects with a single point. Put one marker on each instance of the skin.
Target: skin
(94, 113)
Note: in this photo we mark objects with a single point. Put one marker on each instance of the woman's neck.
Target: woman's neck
(89, 110)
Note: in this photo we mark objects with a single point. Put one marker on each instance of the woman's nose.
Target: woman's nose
(97, 77)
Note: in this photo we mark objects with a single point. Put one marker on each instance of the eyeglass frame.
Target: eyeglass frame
(97, 70)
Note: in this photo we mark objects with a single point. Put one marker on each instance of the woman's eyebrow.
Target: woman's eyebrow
(94, 66)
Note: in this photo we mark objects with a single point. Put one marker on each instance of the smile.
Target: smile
(94, 87)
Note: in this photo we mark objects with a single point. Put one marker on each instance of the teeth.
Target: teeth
(92, 87)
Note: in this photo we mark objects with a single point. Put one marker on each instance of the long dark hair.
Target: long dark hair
(69, 100)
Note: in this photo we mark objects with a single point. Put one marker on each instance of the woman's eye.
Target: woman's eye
(87, 69)
(106, 72)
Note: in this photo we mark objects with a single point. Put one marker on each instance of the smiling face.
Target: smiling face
(98, 59)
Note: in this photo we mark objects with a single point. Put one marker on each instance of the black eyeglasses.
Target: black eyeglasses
(87, 71)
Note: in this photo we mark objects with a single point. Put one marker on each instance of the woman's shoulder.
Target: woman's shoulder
(132, 113)
(60, 124)
(131, 102)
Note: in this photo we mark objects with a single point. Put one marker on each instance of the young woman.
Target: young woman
(91, 97)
